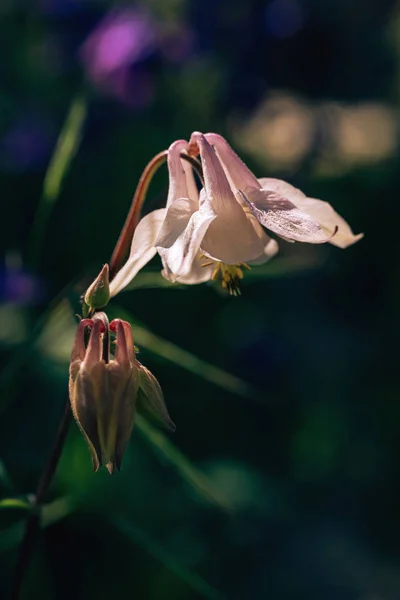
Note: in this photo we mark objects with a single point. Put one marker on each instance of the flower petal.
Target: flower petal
(201, 271)
(329, 219)
(270, 246)
(283, 218)
(238, 174)
(177, 175)
(179, 257)
(142, 249)
(176, 220)
(231, 239)
(282, 188)
(217, 187)
(192, 191)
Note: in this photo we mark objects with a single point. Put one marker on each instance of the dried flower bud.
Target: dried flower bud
(104, 392)
(98, 293)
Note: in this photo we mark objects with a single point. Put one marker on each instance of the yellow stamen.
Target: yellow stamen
(230, 276)
(207, 264)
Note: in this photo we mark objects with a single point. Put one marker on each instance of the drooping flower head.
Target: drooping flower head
(215, 233)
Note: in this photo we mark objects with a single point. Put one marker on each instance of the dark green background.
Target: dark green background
(304, 470)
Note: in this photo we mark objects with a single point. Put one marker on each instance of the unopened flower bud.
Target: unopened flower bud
(98, 293)
(104, 393)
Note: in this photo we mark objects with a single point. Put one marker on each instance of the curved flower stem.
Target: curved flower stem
(125, 238)
(32, 527)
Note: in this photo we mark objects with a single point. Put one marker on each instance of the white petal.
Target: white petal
(282, 188)
(197, 274)
(192, 191)
(232, 239)
(217, 187)
(179, 257)
(329, 220)
(142, 249)
(177, 175)
(238, 174)
(176, 220)
(283, 218)
(270, 246)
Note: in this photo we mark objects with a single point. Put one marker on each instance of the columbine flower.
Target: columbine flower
(280, 207)
(211, 234)
(219, 231)
(105, 393)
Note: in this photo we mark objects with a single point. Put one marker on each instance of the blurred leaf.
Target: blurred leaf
(65, 150)
(182, 465)
(57, 510)
(10, 374)
(11, 536)
(15, 503)
(5, 479)
(142, 539)
(184, 359)
(50, 513)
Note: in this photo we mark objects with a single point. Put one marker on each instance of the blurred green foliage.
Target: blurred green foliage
(282, 479)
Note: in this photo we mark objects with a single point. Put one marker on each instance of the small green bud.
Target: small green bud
(98, 293)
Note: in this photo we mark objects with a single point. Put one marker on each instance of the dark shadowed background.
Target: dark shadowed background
(282, 480)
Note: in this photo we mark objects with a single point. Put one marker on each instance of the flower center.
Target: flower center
(229, 275)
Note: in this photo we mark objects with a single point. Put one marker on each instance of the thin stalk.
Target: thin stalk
(28, 543)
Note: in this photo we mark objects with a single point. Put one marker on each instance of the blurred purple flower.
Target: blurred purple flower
(110, 53)
(19, 287)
